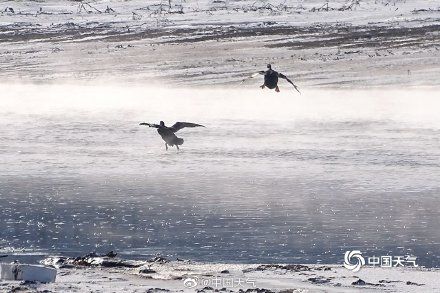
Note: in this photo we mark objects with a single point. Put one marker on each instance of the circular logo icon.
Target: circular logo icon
(358, 260)
(190, 282)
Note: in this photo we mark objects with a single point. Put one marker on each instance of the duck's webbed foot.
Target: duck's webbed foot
(277, 89)
(262, 86)
(166, 146)
(177, 147)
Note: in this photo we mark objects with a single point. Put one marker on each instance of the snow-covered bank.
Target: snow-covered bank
(342, 44)
(109, 274)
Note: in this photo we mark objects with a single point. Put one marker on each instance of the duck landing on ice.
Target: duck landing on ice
(271, 79)
(168, 133)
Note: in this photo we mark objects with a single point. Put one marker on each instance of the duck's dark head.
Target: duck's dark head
(269, 66)
(161, 123)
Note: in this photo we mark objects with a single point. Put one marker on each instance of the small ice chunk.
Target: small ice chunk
(25, 272)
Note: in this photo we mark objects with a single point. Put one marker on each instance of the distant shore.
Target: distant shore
(372, 44)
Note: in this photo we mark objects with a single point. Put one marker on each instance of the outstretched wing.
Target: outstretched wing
(149, 124)
(179, 125)
(253, 75)
(289, 81)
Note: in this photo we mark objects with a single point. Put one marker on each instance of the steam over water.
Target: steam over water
(273, 177)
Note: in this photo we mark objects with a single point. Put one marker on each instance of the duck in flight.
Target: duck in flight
(167, 133)
(271, 78)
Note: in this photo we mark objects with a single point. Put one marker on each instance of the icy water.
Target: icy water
(273, 178)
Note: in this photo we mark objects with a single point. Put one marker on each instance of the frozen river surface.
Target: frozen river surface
(272, 177)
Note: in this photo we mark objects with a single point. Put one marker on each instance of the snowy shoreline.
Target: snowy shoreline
(112, 274)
